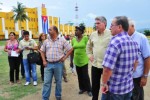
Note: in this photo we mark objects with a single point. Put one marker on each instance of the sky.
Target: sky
(138, 10)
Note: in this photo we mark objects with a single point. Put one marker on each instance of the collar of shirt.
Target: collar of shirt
(120, 34)
(27, 40)
(50, 39)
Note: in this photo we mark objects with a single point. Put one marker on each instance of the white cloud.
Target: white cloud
(91, 15)
(54, 7)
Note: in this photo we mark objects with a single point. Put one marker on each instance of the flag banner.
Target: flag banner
(45, 24)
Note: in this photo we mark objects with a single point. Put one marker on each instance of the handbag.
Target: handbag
(40, 62)
(33, 57)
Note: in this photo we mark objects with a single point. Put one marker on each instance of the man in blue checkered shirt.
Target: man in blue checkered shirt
(120, 60)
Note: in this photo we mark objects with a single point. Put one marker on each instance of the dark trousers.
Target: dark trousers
(96, 77)
(14, 63)
(42, 72)
(22, 67)
(83, 78)
(138, 92)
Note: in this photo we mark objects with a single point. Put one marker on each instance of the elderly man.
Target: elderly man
(119, 62)
(53, 50)
(96, 47)
(141, 73)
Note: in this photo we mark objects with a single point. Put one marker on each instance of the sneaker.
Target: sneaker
(81, 91)
(35, 83)
(27, 83)
(90, 94)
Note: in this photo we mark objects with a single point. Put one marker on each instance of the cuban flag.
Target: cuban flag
(45, 24)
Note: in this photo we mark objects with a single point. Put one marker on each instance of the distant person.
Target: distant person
(11, 48)
(64, 68)
(26, 45)
(53, 50)
(80, 59)
(42, 38)
(21, 56)
(120, 61)
(140, 75)
(96, 48)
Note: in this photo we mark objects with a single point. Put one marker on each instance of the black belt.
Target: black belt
(53, 61)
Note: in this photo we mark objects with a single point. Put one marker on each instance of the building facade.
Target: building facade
(34, 25)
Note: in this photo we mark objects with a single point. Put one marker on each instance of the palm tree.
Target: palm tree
(19, 13)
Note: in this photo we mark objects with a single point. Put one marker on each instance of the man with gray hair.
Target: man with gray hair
(120, 60)
(141, 73)
(96, 48)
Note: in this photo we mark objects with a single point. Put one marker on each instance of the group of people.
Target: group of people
(17, 54)
(120, 55)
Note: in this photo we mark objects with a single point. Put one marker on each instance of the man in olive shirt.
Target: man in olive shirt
(96, 47)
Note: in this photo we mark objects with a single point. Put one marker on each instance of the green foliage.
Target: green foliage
(82, 24)
(94, 27)
(19, 13)
(147, 32)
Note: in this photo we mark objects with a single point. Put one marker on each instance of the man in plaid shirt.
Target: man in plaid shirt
(53, 50)
(119, 62)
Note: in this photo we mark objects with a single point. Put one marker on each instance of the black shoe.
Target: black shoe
(58, 98)
(81, 91)
(90, 94)
(65, 80)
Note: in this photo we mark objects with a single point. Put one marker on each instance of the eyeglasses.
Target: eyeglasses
(97, 23)
(113, 25)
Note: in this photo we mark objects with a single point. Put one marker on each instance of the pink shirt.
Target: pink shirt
(12, 46)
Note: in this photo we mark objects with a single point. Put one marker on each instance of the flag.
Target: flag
(45, 24)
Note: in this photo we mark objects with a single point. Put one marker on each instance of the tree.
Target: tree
(1, 4)
(19, 13)
(82, 24)
(147, 32)
(94, 27)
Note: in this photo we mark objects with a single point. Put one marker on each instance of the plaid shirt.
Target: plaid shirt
(120, 56)
(55, 49)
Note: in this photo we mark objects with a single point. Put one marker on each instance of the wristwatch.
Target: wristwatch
(103, 84)
(145, 76)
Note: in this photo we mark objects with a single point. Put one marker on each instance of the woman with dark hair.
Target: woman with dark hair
(80, 59)
(11, 48)
(42, 37)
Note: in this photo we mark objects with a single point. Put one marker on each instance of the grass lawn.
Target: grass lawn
(16, 91)
(2, 43)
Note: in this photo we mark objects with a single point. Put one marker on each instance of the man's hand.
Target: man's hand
(143, 81)
(104, 88)
(92, 58)
(62, 59)
(44, 63)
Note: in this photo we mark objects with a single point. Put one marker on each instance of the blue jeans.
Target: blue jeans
(111, 96)
(26, 68)
(51, 69)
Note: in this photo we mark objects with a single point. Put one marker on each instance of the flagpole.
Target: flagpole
(59, 25)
